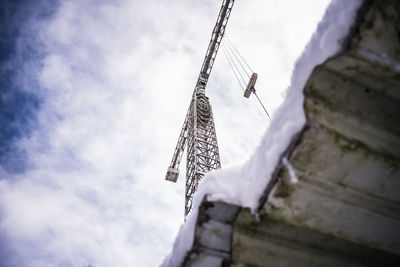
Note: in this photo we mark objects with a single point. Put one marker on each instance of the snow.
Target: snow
(243, 185)
(381, 58)
(289, 167)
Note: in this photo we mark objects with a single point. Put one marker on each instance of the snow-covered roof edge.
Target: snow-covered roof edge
(244, 185)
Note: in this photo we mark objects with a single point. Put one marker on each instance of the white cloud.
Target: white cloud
(117, 80)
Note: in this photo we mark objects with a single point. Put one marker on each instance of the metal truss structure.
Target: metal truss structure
(198, 131)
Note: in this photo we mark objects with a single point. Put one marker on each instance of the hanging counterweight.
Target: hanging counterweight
(241, 70)
(250, 86)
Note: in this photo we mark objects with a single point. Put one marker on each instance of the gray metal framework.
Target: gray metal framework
(198, 131)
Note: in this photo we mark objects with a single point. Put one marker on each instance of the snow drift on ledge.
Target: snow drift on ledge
(243, 185)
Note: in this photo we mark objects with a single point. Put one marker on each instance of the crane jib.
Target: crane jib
(198, 133)
(216, 37)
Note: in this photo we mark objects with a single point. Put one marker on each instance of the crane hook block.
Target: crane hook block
(250, 86)
(172, 175)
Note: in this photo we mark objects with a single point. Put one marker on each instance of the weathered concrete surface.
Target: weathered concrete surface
(270, 242)
(379, 31)
(345, 208)
(347, 161)
(212, 244)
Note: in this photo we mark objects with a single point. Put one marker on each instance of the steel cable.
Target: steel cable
(240, 55)
(230, 57)
(262, 104)
(238, 60)
(230, 61)
(234, 72)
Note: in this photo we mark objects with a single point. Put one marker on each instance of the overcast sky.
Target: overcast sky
(93, 97)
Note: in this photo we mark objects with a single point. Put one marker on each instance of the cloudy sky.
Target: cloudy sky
(93, 97)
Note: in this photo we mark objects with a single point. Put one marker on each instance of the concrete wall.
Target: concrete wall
(345, 208)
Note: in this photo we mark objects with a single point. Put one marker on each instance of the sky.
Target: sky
(93, 97)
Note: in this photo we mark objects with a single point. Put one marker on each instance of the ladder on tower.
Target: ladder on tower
(198, 131)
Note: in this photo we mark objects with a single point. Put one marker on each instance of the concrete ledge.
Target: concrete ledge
(345, 208)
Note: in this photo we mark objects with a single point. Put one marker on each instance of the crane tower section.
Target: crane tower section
(198, 132)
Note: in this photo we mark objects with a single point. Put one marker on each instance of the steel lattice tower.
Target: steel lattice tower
(198, 131)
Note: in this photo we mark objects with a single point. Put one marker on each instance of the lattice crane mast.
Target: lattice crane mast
(198, 131)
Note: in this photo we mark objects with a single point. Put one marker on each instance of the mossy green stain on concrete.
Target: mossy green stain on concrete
(353, 145)
(283, 188)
